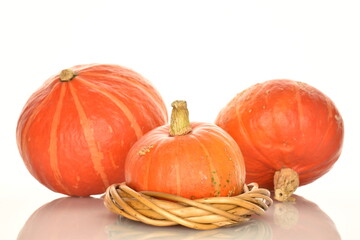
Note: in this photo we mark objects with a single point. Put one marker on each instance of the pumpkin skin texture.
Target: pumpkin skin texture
(75, 131)
(284, 124)
(202, 162)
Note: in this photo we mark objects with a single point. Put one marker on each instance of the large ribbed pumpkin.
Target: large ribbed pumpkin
(75, 131)
(289, 132)
(192, 160)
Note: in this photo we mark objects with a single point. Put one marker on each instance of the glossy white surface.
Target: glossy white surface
(87, 218)
(200, 51)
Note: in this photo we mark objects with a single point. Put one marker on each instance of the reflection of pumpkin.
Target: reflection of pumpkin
(69, 218)
(300, 220)
(127, 229)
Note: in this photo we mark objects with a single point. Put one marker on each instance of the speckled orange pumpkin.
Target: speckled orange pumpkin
(289, 133)
(193, 160)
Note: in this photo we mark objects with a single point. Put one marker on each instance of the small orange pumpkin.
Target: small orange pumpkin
(192, 160)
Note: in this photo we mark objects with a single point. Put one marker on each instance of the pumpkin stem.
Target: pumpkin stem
(179, 122)
(286, 181)
(66, 75)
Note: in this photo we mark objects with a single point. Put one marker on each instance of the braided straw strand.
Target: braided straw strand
(163, 209)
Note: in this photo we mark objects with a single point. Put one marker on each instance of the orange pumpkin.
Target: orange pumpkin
(193, 160)
(289, 133)
(75, 131)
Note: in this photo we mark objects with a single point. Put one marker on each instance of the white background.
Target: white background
(200, 51)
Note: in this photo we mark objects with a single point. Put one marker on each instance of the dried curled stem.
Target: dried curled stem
(286, 181)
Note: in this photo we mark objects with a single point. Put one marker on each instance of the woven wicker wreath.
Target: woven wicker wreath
(162, 209)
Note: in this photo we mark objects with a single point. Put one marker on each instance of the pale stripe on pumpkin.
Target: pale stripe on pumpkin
(320, 167)
(150, 158)
(133, 122)
(177, 169)
(53, 145)
(215, 178)
(244, 134)
(96, 154)
(300, 109)
(146, 89)
(24, 134)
